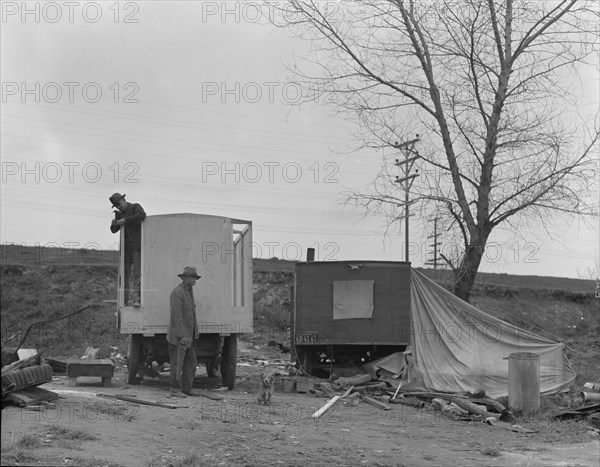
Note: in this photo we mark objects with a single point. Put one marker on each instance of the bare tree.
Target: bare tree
(491, 86)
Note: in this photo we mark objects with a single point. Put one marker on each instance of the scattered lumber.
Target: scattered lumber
(342, 382)
(410, 402)
(475, 409)
(375, 403)
(448, 408)
(433, 395)
(507, 426)
(135, 400)
(331, 402)
(372, 386)
(208, 395)
(326, 407)
(31, 396)
(578, 414)
(489, 403)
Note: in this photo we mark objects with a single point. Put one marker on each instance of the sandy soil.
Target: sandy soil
(239, 432)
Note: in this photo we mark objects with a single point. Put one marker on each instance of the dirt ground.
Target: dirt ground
(88, 430)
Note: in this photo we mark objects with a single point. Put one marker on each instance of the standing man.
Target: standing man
(181, 335)
(131, 216)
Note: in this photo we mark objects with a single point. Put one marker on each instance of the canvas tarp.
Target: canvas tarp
(459, 348)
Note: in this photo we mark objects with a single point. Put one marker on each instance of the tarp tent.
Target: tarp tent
(458, 347)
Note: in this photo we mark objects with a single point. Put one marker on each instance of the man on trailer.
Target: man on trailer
(130, 215)
(182, 333)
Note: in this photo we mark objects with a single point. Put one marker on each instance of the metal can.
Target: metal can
(592, 387)
(590, 396)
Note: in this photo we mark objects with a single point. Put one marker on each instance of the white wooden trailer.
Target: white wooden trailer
(221, 250)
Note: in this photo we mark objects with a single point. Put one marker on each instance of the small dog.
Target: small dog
(266, 389)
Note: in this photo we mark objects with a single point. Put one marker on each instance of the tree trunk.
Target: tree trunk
(464, 275)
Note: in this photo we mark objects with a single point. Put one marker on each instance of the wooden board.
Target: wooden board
(31, 396)
(102, 367)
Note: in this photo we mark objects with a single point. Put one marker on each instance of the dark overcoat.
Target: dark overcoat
(183, 317)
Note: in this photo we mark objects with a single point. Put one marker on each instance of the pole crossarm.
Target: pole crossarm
(406, 179)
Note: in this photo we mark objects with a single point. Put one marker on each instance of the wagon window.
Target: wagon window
(352, 299)
(242, 253)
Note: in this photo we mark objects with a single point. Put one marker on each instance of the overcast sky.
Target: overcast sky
(188, 107)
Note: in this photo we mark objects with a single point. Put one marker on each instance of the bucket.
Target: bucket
(288, 384)
(524, 382)
(303, 385)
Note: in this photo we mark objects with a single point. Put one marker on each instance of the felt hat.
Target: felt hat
(189, 271)
(115, 198)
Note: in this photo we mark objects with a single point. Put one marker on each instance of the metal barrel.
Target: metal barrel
(524, 382)
(592, 387)
(590, 396)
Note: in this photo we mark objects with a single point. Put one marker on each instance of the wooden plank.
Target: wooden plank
(208, 395)
(375, 403)
(475, 409)
(32, 396)
(135, 400)
(331, 402)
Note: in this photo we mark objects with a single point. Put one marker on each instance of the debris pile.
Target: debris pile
(475, 406)
(283, 347)
(21, 378)
(589, 412)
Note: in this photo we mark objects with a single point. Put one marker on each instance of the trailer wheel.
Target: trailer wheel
(229, 361)
(135, 357)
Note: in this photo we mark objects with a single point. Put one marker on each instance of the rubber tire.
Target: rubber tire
(229, 361)
(135, 357)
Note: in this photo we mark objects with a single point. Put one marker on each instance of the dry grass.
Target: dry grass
(14, 455)
(72, 434)
(117, 412)
(490, 451)
(189, 460)
(29, 441)
(91, 462)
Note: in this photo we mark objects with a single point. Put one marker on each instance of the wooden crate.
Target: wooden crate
(103, 368)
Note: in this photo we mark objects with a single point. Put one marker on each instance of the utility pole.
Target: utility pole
(406, 180)
(434, 261)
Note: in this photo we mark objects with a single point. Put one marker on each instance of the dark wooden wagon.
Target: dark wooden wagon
(347, 313)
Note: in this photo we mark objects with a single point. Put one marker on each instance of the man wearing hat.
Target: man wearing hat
(129, 215)
(182, 333)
